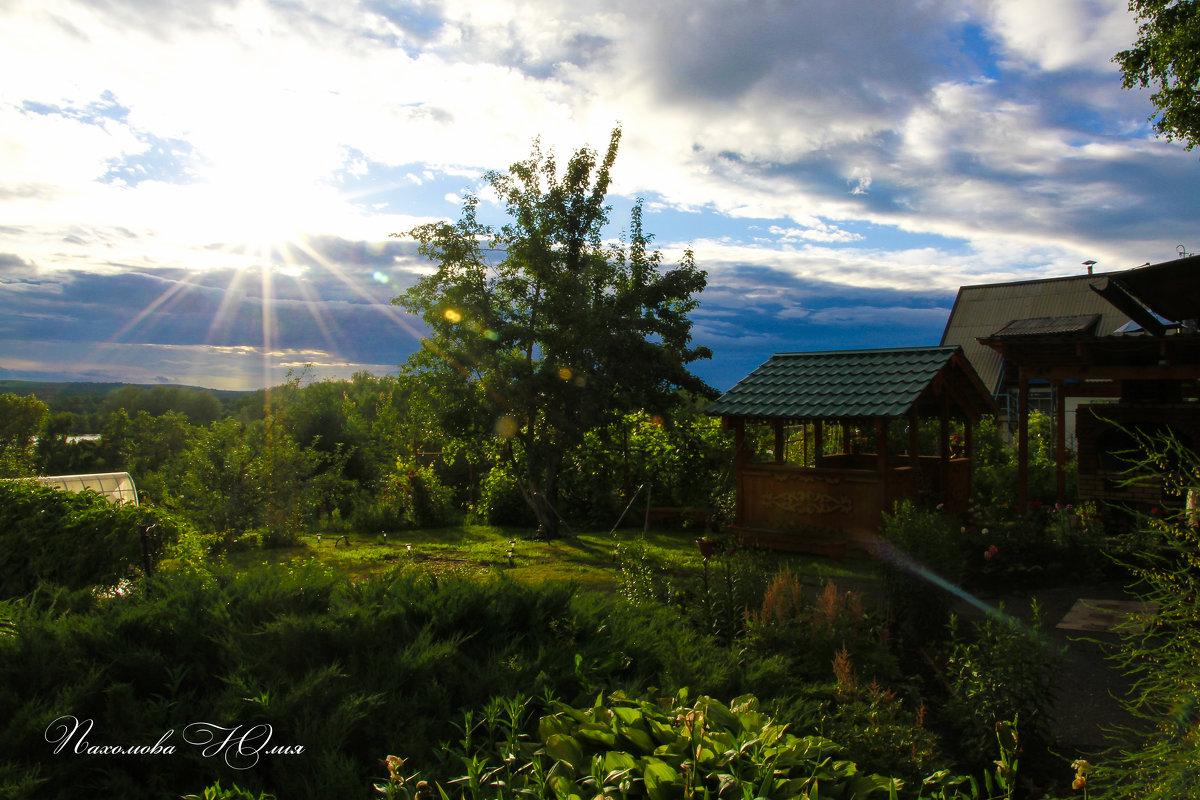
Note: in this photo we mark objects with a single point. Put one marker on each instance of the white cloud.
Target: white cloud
(839, 129)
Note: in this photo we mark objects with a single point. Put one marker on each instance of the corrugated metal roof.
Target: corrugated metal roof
(1080, 325)
(835, 384)
(980, 311)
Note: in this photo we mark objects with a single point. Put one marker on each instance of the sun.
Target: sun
(259, 210)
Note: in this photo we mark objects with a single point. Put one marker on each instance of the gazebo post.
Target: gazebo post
(944, 419)
(1022, 441)
(881, 455)
(969, 436)
(739, 463)
(1060, 442)
(914, 437)
(779, 441)
(818, 441)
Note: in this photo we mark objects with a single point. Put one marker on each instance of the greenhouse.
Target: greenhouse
(117, 487)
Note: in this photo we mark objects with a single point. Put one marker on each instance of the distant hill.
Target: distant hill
(48, 390)
(92, 403)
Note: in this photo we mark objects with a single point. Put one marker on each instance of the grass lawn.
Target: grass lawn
(588, 559)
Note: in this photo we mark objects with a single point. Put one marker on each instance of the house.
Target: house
(982, 310)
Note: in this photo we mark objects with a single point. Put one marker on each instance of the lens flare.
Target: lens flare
(565, 374)
(452, 315)
(379, 277)
(506, 427)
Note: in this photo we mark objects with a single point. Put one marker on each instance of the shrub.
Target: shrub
(1005, 672)
(74, 539)
(923, 561)
(500, 500)
(1160, 649)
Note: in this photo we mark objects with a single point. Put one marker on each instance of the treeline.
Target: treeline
(367, 455)
(90, 404)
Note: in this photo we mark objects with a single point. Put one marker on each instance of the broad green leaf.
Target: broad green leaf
(615, 760)
(661, 780)
(638, 738)
(597, 733)
(566, 749)
(629, 716)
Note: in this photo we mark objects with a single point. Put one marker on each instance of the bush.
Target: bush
(1160, 650)
(74, 539)
(386, 663)
(501, 501)
(1005, 672)
(923, 561)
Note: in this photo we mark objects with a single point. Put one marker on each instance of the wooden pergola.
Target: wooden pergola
(851, 421)
(1153, 368)
(1155, 377)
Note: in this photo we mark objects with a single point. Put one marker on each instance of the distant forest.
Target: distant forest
(92, 403)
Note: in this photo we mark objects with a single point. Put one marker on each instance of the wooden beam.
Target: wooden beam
(1022, 442)
(944, 418)
(1060, 443)
(1149, 372)
(818, 442)
(881, 446)
(739, 464)
(780, 443)
(914, 436)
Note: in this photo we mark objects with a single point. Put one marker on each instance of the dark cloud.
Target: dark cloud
(341, 308)
(14, 263)
(850, 55)
(754, 312)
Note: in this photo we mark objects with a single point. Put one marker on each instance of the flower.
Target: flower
(1082, 768)
(983, 532)
(990, 552)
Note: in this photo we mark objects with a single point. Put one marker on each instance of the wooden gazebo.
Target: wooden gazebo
(844, 432)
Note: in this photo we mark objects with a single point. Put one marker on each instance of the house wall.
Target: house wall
(1100, 439)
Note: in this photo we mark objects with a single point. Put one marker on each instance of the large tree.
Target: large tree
(550, 329)
(1166, 57)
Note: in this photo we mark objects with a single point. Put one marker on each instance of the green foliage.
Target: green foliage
(626, 748)
(1166, 57)
(1006, 671)
(345, 669)
(561, 335)
(815, 634)
(923, 556)
(500, 499)
(994, 480)
(681, 461)
(74, 539)
(21, 419)
(234, 792)
(239, 477)
(416, 498)
(1160, 650)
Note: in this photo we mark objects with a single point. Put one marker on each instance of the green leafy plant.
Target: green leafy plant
(75, 539)
(1160, 650)
(1005, 671)
(664, 750)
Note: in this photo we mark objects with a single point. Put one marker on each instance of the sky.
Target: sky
(202, 193)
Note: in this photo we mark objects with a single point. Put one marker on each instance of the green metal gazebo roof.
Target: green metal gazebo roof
(854, 384)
